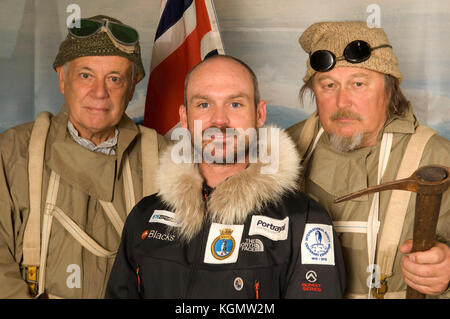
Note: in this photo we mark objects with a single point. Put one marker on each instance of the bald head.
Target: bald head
(209, 62)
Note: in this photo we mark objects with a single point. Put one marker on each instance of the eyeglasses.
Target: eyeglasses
(355, 52)
(124, 35)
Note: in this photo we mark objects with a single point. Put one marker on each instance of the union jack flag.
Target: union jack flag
(187, 33)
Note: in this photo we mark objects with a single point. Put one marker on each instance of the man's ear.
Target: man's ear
(261, 113)
(60, 71)
(183, 116)
(138, 78)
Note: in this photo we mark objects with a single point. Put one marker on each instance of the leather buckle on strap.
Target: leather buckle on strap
(31, 279)
(379, 292)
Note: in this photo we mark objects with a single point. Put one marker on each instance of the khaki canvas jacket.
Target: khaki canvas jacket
(86, 178)
(331, 174)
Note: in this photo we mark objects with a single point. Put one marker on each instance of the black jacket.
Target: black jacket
(253, 236)
(153, 263)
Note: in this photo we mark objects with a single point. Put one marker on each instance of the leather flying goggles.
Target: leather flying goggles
(355, 52)
(124, 35)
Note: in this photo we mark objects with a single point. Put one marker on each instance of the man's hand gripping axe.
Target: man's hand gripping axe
(429, 182)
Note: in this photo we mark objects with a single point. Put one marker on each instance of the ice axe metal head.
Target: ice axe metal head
(429, 182)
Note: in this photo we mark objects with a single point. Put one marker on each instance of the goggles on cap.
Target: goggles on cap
(124, 37)
(355, 52)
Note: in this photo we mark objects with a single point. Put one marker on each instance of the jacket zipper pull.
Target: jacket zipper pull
(257, 288)
(138, 279)
(206, 201)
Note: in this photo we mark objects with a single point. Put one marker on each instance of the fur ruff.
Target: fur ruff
(231, 202)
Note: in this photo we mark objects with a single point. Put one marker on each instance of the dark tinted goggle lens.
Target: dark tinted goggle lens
(322, 60)
(357, 51)
(87, 28)
(122, 33)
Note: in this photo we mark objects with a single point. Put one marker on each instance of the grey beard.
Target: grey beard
(345, 143)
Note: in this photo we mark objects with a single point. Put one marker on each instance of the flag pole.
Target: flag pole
(215, 24)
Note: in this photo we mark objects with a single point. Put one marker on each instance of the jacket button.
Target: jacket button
(238, 283)
(144, 234)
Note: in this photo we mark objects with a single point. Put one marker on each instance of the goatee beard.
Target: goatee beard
(345, 143)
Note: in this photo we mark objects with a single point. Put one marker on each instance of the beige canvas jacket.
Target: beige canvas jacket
(331, 174)
(86, 178)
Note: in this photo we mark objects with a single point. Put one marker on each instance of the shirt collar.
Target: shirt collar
(107, 147)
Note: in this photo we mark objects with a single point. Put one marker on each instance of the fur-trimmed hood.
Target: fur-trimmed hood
(244, 193)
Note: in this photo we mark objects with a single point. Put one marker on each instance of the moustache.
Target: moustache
(345, 114)
(226, 131)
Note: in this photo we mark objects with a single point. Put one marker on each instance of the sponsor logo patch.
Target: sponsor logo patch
(253, 245)
(317, 245)
(160, 236)
(274, 229)
(312, 284)
(222, 243)
(163, 217)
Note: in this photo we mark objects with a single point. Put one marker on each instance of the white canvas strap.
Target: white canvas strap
(36, 148)
(52, 194)
(79, 235)
(341, 226)
(130, 199)
(398, 202)
(373, 223)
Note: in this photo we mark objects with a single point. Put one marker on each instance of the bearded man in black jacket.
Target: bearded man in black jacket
(228, 223)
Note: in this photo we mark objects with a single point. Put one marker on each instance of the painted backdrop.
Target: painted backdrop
(264, 33)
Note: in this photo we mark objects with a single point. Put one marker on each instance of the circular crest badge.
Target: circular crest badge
(318, 242)
(223, 245)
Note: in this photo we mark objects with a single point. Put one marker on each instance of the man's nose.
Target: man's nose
(219, 116)
(100, 89)
(343, 98)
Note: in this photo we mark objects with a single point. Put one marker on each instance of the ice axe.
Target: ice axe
(429, 182)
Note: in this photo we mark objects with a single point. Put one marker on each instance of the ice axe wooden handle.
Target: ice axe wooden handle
(429, 182)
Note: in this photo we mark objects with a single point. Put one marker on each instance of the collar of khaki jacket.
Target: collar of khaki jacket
(236, 197)
(93, 172)
(406, 124)
(350, 168)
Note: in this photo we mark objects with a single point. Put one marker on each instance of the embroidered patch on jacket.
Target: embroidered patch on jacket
(223, 243)
(163, 217)
(274, 229)
(317, 245)
(252, 245)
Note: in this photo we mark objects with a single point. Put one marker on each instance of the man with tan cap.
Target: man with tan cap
(371, 137)
(67, 182)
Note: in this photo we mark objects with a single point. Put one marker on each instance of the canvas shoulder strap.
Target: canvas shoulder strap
(149, 151)
(32, 234)
(398, 202)
(36, 150)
